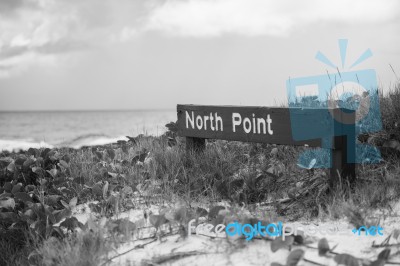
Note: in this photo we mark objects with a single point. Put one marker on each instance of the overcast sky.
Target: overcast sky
(108, 54)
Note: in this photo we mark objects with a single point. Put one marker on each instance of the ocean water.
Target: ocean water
(22, 130)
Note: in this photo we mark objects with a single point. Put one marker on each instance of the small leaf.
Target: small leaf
(158, 220)
(16, 188)
(22, 196)
(57, 231)
(378, 262)
(95, 207)
(126, 190)
(33, 152)
(8, 187)
(279, 243)
(99, 155)
(346, 259)
(11, 167)
(37, 170)
(214, 211)
(52, 200)
(44, 152)
(30, 188)
(28, 163)
(5, 195)
(384, 254)
(63, 164)
(323, 246)
(312, 163)
(125, 227)
(105, 189)
(200, 212)
(59, 181)
(97, 190)
(91, 223)
(113, 175)
(9, 216)
(140, 157)
(61, 214)
(71, 223)
(7, 203)
(20, 160)
(53, 172)
(53, 155)
(65, 204)
(29, 214)
(42, 181)
(131, 139)
(394, 144)
(299, 239)
(5, 161)
(73, 202)
(180, 214)
(294, 257)
(274, 151)
(396, 233)
(111, 153)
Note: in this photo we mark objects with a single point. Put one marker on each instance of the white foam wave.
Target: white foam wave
(91, 141)
(22, 144)
(87, 140)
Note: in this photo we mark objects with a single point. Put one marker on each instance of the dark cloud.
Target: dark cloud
(12, 51)
(57, 47)
(9, 7)
(62, 46)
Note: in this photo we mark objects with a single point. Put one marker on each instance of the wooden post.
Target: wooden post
(195, 144)
(343, 151)
(340, 167)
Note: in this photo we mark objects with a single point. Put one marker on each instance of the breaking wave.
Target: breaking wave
(22, 144)
(76, 143)
(90, 140)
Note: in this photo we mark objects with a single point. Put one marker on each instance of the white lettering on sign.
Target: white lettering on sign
(236, 120)
(269, 121)
(189, 120)
(214, 121)
(259, 127)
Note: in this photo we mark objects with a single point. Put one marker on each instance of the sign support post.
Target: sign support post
(195, 144)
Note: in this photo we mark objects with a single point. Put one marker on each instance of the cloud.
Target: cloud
(31, 29)
(52, 27)
(210, 18)
(9, 7)
(18, 64)
(64, 26)
(11, 51)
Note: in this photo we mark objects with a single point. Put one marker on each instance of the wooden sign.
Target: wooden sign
(286, 126)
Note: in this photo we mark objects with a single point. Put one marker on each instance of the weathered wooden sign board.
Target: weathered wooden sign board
(266, 125)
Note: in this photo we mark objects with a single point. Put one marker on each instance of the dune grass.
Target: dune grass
(80, 249)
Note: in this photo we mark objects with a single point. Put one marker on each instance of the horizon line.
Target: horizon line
(90, 110)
